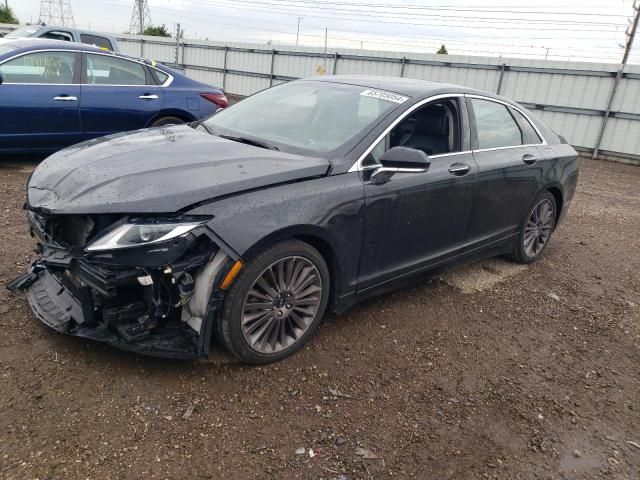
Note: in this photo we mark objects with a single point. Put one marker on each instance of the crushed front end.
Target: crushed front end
(142, 284)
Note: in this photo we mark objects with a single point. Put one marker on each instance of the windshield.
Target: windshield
(314, 117)
(26, 31)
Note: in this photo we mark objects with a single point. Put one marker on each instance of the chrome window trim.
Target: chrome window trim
(357, 166)
(168, 82)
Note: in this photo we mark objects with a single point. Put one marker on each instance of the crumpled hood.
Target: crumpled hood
(160, 170)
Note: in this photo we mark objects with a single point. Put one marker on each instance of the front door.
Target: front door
(415, 220)
(39, 101)
(117, 95)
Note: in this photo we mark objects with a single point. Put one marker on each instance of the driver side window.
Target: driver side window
(434, 129)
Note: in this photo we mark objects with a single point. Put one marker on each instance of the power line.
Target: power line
(354, 15)
(331, 5)
(500, 48)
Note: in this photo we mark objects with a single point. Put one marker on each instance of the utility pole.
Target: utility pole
(177, 44)
(298, 31)
(630, 33)
(325, 50)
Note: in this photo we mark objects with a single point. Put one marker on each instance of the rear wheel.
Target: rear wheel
(161, 122)
(536, 229)
(276, 303)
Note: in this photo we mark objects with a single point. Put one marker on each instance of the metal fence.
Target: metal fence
(573, 98)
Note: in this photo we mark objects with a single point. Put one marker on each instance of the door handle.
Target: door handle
(147, 96)
(529, 159)
(459, 169)
(65, 98)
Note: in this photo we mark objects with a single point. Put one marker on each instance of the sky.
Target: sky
(587, 30)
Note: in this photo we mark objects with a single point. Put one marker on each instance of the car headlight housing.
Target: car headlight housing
(132, 235)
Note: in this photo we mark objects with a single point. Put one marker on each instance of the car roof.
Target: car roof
(77, 30)
(404, 86)
(27, 43)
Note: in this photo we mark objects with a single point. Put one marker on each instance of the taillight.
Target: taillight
(219, 99)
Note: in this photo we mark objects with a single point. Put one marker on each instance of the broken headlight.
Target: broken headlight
(138, 234)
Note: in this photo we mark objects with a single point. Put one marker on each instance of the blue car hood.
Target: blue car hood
(159, 170)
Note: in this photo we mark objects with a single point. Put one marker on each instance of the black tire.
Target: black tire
(519, 253)
(233, 312)
(161, 122)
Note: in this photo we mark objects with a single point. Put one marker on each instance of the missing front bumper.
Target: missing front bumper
(55, 306)
(114, 307)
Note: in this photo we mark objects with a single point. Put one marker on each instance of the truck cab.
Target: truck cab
(101, 40)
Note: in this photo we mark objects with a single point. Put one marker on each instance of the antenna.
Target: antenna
(56, 12)
(140, 17)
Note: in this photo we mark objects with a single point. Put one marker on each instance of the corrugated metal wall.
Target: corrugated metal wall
(571, 97)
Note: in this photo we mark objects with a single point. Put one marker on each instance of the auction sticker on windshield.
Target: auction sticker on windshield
(384, 95)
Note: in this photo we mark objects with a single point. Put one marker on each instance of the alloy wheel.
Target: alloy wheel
(281, 304)
(539, 226)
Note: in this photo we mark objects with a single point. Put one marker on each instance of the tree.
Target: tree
(157, 31)
(6, 15)
(442, 51)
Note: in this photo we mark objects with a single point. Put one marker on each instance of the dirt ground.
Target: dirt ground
(492, 371)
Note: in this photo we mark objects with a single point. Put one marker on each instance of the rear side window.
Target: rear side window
(495, 125)
(96, 40)
(108, 70)
(58, 35)
(529, 134)
(40, 67)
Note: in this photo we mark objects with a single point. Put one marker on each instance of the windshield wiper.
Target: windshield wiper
(249, 141)
(200, 123)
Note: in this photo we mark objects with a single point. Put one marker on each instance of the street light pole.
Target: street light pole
(298, 31)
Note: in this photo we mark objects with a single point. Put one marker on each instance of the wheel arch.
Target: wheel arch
(556, 191)
(319, 239)
(170, 112)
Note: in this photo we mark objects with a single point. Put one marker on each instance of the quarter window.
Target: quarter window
(108, 70)
(495, 125)
(40, 67)
(161, 76)
(529, 134)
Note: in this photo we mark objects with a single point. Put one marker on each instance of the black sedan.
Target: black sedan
(308, 196)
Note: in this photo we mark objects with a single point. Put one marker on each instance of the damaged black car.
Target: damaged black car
(308, 196)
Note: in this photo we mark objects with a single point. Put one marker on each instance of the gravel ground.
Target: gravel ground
(491, 371)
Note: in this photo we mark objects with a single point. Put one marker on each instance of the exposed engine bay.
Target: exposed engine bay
(158, 297)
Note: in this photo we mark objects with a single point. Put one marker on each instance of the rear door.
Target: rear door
(39, 101)
(505, 147)
(117, 95)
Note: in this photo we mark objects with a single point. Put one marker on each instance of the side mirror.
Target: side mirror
(398, 157)
(400, 160)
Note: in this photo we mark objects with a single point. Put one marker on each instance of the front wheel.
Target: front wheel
(536, 230)
(276, 303)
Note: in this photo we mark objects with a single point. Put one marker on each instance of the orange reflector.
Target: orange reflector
(233, 271)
